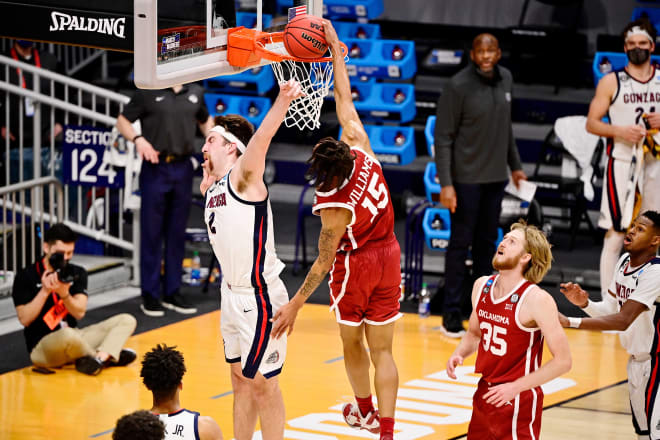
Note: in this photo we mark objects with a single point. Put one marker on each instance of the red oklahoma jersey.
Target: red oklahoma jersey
(366, 195)
(507, 350)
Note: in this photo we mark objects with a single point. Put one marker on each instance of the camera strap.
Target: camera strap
(58, 311)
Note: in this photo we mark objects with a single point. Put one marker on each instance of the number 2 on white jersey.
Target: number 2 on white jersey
(490, 336)
(376, 191)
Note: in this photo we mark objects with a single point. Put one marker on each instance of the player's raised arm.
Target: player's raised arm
(353, 132)
(253, 162)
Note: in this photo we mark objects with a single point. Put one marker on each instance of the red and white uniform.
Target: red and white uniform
(507, 351)
(366, 275)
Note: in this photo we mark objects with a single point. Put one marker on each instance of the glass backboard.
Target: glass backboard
(181, 41)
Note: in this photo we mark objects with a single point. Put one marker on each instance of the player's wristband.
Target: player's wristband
(137, 137)
(574, 322)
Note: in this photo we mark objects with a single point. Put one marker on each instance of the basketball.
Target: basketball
(304, 37)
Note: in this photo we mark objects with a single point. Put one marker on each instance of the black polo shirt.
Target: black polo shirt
(27, 285)
(169, 120)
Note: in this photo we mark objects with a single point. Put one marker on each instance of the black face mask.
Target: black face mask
(638, 56)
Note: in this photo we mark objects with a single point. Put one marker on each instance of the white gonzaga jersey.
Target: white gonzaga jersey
(181, 425)
(641, 284)
(631, 100)
(241, 234)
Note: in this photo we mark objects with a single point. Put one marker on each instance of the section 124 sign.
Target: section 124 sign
(83, 164)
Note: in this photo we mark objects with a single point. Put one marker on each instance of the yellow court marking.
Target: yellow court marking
(69, 405)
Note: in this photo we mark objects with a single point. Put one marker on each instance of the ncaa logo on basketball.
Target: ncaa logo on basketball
(66, 22)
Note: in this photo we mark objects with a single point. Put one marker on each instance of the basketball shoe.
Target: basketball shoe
(354, 419)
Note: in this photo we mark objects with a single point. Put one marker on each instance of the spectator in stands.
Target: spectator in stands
(627, 97)
(50, 297)
(22, 110)
(473, 145)
(162, 373)
(168, 119)
(141, 425)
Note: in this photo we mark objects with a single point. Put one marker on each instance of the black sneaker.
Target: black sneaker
(452, 325)
(89, 365)
(126, 356)
(151, 306)
(178, 304)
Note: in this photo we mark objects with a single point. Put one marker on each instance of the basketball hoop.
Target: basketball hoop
(247, 47)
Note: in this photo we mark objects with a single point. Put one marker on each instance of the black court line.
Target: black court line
(596, 410)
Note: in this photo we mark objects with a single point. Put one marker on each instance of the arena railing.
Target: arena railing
(65, 101)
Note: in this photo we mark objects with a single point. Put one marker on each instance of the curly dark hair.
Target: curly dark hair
(141, 424)
(162, 371)
(238, 126)
(331, 163)
(644, 23)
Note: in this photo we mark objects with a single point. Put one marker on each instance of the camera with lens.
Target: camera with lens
(65, 272)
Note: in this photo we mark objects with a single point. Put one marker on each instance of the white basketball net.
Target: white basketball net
(315, 80)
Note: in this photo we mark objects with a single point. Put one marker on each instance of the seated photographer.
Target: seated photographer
(50, 297)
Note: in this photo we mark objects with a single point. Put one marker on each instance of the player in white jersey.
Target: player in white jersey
(162, 373)
(240, 227)
(631, 99)
(630, 306)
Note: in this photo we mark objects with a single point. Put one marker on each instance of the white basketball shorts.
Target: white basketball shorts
(245, 315)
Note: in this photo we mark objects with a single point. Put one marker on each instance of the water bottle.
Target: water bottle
(195, 272)
(424, 307)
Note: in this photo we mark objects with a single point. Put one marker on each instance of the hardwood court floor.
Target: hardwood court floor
(69, 405)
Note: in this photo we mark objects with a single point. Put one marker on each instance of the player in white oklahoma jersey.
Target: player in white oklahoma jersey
(240, 227)
(630, 306)
(631, 99)
(162, 373)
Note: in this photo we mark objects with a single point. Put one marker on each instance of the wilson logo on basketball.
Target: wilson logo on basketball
(315, 42)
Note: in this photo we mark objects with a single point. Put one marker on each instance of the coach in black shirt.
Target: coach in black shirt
(169, 119)
(474, 144)
(50, 297)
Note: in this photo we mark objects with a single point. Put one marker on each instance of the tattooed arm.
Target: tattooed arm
(333, 226)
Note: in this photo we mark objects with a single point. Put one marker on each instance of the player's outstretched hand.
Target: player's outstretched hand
(207, 178)
(575, 294)
(284, 319)
(330, 35)
(502, 394)
(291, 90)
(452, 363)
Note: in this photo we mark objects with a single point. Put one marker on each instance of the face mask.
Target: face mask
(638, 56)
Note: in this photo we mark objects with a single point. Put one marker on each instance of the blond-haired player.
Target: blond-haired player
(510, 319)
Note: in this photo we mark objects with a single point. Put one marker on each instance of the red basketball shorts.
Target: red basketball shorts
(365, 284)
(522, 416)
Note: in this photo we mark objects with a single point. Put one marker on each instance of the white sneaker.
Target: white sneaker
(352, 417)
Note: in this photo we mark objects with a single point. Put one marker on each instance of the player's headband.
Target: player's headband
(230, 137)
(636, 30)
